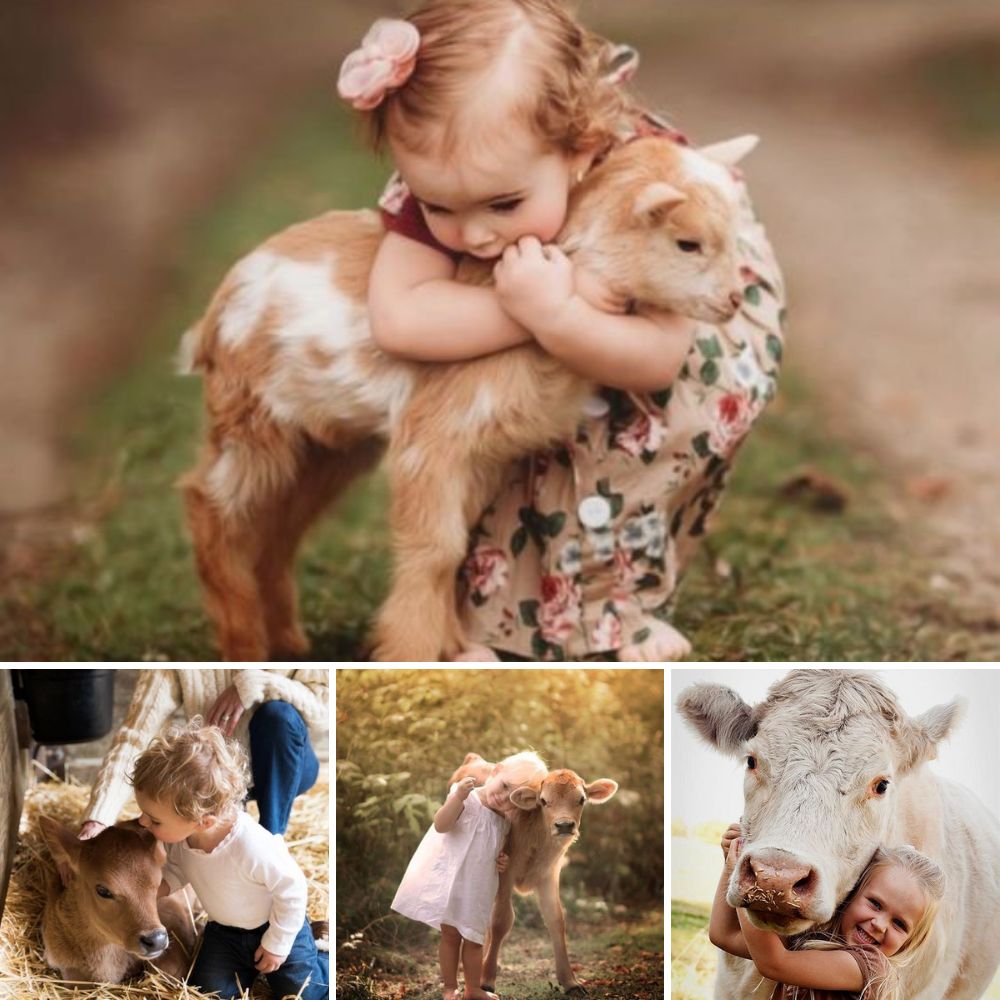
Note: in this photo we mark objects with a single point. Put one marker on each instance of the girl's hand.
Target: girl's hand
(266, 961)
(465, 787)
(732, 833)
(90, 829)
(502, 861)
(226, 711)
(534, 283)
(735, 849)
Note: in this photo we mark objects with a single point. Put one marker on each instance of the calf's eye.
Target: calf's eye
(104, 892)
(751, 762)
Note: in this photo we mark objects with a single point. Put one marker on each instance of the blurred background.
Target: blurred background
(400, 736)
(145, 147)
(707, 792)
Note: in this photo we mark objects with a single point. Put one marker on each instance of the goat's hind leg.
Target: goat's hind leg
(324, 474)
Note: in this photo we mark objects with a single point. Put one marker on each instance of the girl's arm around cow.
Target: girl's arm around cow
(724, 927)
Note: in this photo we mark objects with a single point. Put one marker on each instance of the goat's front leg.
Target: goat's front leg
(501, 921)
(552, 913)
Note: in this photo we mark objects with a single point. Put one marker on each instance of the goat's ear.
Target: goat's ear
(601, 790)
(731, 151)
(525, 797)
(656, 201)
(63, 846)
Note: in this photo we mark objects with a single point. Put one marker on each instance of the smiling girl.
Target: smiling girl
(877, 930)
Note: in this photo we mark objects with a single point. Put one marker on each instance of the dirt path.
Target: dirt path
(887, 233)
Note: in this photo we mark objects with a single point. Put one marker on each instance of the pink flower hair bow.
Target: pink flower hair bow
(385, 60)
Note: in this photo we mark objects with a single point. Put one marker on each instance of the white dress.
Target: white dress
(452, 877)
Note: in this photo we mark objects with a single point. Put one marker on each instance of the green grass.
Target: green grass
(616, 959)
(805, 585)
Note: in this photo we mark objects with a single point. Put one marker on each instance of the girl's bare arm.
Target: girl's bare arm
(418, 311)
(447, 816)
(724, 926)
(818, 970)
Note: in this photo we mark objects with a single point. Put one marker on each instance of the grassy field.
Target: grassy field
(620, 960)
(782, 578)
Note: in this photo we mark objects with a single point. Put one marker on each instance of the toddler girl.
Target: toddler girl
(190, 784)
(877, 930)
(493, 111)
(451, 880)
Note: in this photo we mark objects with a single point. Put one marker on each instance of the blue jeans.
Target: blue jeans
(227, 954)
(282, 762)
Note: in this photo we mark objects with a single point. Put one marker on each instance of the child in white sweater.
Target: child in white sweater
(190, 784)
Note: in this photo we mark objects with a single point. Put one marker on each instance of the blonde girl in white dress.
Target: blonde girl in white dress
(452, 878)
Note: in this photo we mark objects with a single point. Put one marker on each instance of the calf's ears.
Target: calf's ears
(63, 846)
(600, 790)
(920, 735)
(525, 797)
(718, 715)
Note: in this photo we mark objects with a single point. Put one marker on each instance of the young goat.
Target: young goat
(300, 401)
(102, 918)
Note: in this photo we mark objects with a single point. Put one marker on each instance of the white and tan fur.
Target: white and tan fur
(812, 812)
(300, 401)
(102, 919)
(544, 826)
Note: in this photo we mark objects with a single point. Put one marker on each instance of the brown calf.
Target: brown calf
(543, 828)
(102, 918)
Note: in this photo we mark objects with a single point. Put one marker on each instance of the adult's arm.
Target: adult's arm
(308, 690)
(157, 695)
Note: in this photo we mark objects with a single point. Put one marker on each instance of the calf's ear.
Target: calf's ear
(63, 846)
(471, 758)
(718, 715)
(525, 797)
(600, 790)
(920, 735)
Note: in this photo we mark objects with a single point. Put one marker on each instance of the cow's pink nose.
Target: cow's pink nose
(776, 881)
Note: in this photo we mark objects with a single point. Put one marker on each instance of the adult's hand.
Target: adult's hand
(90, 829)
(226, 711)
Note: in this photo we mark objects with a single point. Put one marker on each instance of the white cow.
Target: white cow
(834, 767)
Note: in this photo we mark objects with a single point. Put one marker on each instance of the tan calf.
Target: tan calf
(543, 828)
(300, 400)
(102, 918)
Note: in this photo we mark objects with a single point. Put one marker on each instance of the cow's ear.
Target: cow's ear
(63, 846)
(920, 735)
(525, 797)
(601, 790)
(719, 716)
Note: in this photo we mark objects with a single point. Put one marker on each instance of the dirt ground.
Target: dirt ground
(886, 228)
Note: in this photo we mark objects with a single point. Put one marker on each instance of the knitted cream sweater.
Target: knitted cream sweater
(159, 693)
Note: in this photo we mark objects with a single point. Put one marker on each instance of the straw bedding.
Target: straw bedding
(23, 972)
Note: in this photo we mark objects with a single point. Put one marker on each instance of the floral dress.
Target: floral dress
(588, 540)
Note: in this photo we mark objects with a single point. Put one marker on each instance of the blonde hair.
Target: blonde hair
(929, 878)
(195, 769)
(524, 768)
(473, 58)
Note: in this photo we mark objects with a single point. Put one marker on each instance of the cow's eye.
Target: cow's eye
(881, 786)
(104, 892)
(751, 763)
(583, 799)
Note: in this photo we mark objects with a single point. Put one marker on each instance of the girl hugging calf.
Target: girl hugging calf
(494, 112)
(451, 881)
(879, 928)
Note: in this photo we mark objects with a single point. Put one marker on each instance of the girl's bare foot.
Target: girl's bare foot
(475, 653)
(472, 993)
(664, 642)
(450, 993)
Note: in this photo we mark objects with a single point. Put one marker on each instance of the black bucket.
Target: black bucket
(67, 706)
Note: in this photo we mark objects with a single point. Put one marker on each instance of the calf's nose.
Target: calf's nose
(565, 827)
(153, 941)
